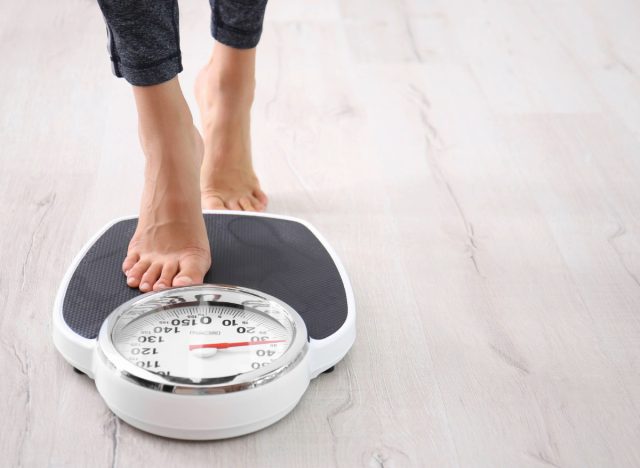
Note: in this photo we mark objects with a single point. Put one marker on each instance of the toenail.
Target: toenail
(130, 279)
(185, 279)
(144, 286)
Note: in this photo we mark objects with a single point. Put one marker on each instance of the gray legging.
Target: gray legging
(144, 41)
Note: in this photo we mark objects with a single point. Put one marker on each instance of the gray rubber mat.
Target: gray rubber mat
(279, 257)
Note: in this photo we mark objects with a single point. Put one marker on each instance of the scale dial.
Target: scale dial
(190, 338)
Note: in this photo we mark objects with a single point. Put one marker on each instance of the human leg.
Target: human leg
(170, 245)
(224, 92)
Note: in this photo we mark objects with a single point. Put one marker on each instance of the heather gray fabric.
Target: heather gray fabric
(144, 38)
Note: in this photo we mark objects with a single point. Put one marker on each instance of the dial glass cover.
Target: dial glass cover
(203, 334)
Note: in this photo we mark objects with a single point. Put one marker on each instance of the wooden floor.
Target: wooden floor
(476, 165)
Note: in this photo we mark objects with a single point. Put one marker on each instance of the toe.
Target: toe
(234, 205)
(261, 197)
(129, 261)
(191, 270)
(257, 204)
(169, 271)
(136, 272)
(212, 202)
(150, 277)
(246, 204)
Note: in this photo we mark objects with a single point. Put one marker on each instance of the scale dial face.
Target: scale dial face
(206, 335)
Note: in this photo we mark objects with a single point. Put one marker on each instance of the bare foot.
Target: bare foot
(170, 246)
(224, 92)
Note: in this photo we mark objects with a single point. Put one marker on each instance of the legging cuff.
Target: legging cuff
(233, 37)
(148, 74)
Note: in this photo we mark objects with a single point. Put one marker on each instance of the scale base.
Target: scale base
(204, 434)
(279, 255)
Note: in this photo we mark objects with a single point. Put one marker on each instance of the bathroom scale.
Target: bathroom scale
(210, 361)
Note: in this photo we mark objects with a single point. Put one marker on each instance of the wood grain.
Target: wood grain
(474, 163)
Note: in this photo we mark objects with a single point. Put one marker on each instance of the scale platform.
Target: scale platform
(282, 256)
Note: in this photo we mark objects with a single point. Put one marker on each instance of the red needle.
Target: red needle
(232, 345)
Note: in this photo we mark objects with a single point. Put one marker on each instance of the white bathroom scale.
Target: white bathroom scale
(210, 361)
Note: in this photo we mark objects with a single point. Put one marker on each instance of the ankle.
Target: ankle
(228, 85)
(164, 138)
(165, 123)
(161, 108)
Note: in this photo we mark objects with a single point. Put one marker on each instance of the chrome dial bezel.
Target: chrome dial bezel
(155, 301)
